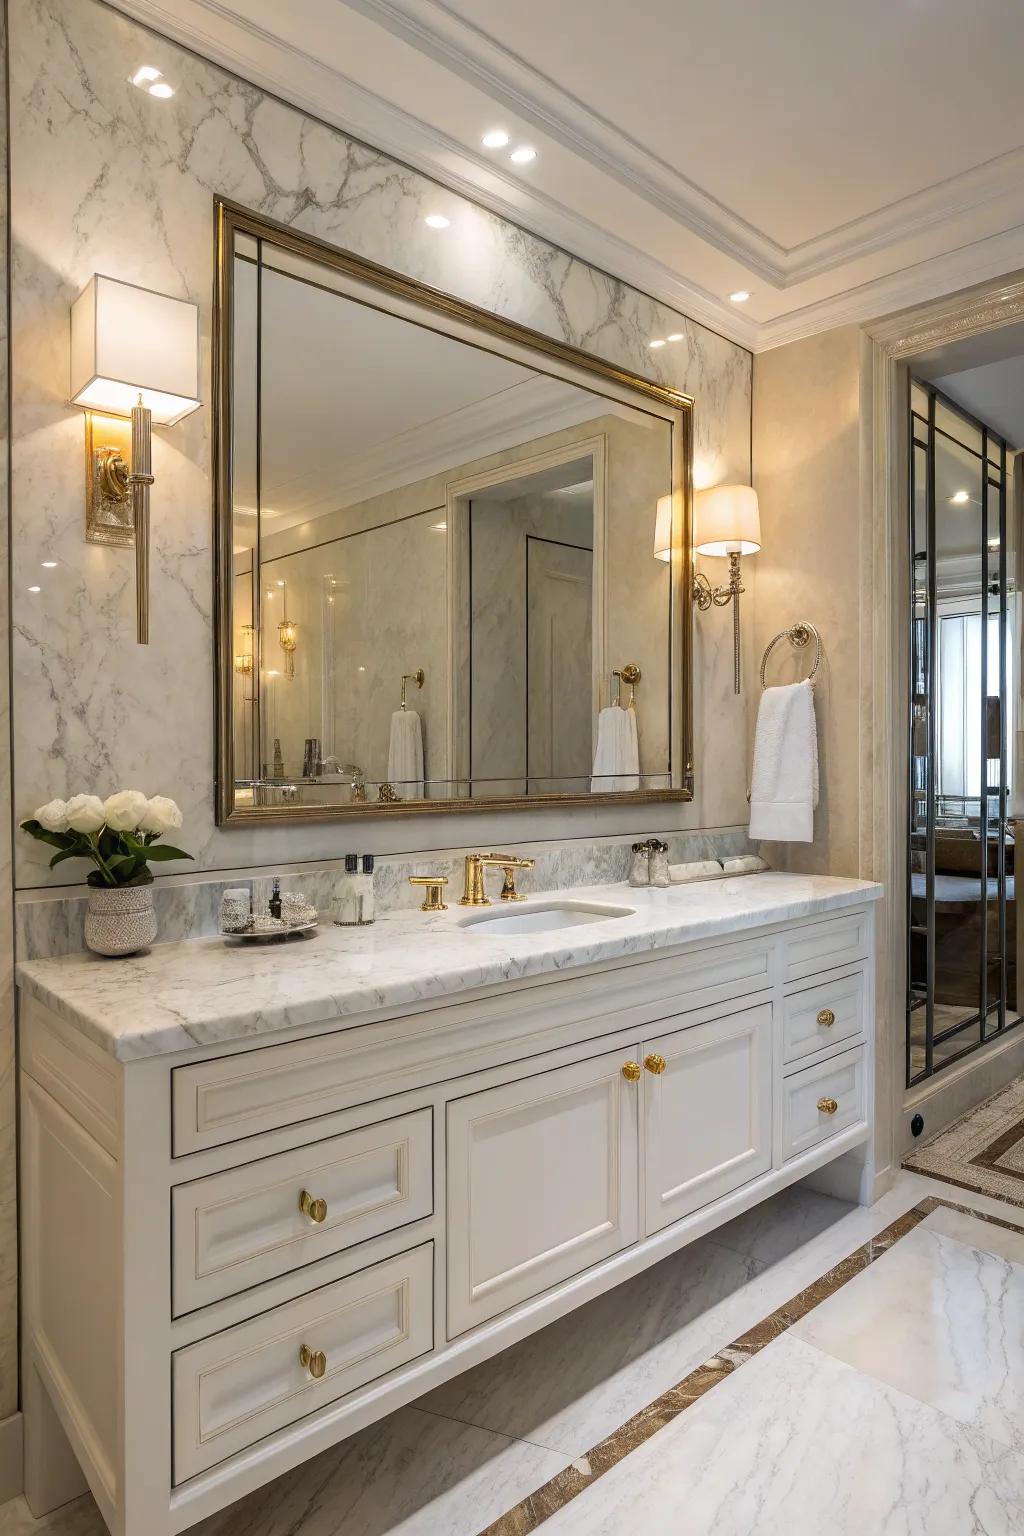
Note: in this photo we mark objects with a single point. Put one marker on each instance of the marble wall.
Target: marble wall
(8, 1167)
(106, 178)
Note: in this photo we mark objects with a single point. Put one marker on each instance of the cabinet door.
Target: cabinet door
(542, 1182)
(708, 1112)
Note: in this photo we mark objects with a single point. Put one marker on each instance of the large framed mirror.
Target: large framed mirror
(453, 555)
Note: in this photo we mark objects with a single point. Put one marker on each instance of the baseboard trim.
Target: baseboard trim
(11, 1439)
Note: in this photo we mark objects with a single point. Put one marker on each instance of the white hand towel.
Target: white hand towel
(617, 759)
(744, 864)
(784, 787)
(405, 754)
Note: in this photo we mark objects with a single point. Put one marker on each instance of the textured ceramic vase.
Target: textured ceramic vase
(120, 920)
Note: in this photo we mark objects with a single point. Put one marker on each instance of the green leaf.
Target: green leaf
(55, 839)
(68, 853)
(163, 851)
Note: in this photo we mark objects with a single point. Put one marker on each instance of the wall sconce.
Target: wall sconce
(663, 529)
(134, 353)
(728, 522)
(287, 636)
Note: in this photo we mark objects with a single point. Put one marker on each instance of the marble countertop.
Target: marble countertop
(210, 991)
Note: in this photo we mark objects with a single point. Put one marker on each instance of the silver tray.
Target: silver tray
(272, 935)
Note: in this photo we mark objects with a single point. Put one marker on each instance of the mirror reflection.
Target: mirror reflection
(445, 577)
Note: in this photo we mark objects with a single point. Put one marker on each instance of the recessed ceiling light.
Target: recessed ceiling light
(146, 75)
(162, 89)
(523, 155)
(960, 497)
(657, 343)
(280, 583)
(497, 138)
(35, 589)
(675, 336)
(740, 296)
(436, 221)
(48, 565)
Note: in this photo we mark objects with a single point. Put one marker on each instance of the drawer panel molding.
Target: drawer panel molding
(249, 1224)
(830, 1013)
(235, 1388)
(822, 1101)
(828, 945)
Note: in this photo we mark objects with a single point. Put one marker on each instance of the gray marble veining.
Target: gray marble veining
(201, 992)
(53, 923)
(797, 1442)
(106, 178)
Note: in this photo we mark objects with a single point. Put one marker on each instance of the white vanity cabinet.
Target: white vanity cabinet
(237, 1254)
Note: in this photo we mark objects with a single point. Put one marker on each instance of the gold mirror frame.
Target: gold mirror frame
(535, 350)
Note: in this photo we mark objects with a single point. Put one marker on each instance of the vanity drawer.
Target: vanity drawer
(830, 1013)
(238, 1228)
(825, 946)
(233, 1389)
(807, 1116)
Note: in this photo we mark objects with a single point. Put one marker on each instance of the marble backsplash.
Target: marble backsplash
(52, 923)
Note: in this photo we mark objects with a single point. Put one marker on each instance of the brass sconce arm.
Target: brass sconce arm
(707, 596)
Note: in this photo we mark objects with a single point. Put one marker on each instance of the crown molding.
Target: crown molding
(284, 69)
(434, 30)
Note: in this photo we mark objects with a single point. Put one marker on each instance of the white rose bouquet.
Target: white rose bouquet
(119, 835)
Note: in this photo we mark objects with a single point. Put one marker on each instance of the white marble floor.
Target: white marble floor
(889, 1454)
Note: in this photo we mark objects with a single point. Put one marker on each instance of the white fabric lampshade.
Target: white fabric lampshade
(663, 529)
(127, 341)
(727, 520)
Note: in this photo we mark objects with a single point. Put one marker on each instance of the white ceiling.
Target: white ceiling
(984, 374)
(839, 161)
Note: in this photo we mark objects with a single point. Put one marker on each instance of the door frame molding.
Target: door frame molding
(889, 347)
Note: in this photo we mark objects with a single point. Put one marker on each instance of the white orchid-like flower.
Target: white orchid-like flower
(125, 810)
(85, 813)
(162, 815)
(53, 816)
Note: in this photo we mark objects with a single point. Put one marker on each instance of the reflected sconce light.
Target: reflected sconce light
(287, 637)
(663, 530)
(134, 354)
(728, 523)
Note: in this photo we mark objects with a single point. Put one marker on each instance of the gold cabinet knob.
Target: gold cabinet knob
(826, 1018)
(433, 891)
(314, 1361)
(828, 1106)
(655, 1063)
(316, 1210)
(631, 1071)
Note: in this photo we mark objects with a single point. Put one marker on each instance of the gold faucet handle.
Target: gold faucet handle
(509, 863)
(433, 891)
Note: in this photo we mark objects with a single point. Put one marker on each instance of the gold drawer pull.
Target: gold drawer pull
(655, 1063)
(826, 1018)
(828, 1106)
(314, 1361)
(316, 1210)
(631, 1071)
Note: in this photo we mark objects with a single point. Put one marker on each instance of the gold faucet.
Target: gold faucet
(475, 893)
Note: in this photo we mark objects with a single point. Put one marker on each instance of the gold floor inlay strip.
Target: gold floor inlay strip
(583, 1473)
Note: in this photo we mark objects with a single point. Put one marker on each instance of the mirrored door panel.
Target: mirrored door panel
(964, 556)
(437, 550)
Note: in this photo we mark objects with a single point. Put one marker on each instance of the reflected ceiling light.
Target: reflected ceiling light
(739, 297)
(993, 543)
(657, 343)
(436, 221)
(496, 138)
(675, 336)
(149, 79)
(48, 565)
(959, 498)
(523, 155)
(439, 527)
(35, 589)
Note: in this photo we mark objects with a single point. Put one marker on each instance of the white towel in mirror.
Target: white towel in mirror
(405, 754)
(784, 786)
(617, 759)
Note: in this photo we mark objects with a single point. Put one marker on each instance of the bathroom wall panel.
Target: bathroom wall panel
(107, 178)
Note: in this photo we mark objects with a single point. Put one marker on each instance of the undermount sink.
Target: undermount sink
(543, 917)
